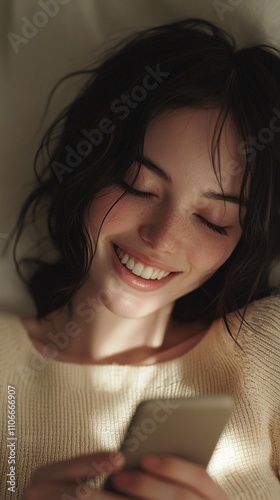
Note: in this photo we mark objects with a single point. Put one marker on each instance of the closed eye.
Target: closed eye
(218, 229)
(135, 192)
(144, 194)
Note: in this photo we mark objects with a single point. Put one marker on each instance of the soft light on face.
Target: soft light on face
(172, 223)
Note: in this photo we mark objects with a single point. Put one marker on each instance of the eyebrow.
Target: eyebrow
(155, 168)
(232, 198)
(212, 195)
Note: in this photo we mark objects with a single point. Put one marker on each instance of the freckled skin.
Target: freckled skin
(163, 227)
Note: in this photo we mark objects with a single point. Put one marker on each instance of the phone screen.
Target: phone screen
(185, 427)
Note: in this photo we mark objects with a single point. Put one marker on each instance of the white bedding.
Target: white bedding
(45, 39)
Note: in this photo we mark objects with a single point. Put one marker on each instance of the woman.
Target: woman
(163, 205)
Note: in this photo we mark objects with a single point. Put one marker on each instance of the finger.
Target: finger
(147, 487)
(186, 473)
(81, 466)
(69, 491)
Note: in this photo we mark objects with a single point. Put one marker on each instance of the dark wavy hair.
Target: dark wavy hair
(191, 63)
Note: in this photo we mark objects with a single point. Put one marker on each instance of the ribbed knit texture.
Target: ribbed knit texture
(66, 409)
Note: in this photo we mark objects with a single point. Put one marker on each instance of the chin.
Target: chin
(131, 308)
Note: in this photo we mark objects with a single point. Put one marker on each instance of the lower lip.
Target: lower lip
(135, 281)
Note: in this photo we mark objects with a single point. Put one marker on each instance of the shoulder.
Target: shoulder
(264, 316)
(259, 336)
(261, 317)
(257, 329)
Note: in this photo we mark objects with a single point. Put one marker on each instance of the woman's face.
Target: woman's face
(167, 230)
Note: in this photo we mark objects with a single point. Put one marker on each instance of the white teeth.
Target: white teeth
(130, 264)
(125, 259)
(139, 269)
(161, 274)
(155, 274)
(147, 273)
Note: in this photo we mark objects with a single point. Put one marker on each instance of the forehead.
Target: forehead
(181, 141)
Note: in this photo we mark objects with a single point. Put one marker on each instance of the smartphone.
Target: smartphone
(185, 427)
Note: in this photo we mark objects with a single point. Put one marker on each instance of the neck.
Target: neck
(100, 336)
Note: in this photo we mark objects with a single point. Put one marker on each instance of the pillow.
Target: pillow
(43, 40)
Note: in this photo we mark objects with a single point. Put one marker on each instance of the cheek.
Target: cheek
(100, 206)
(209, 253)
(118, 216)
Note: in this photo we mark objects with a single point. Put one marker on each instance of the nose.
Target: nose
(160, 233)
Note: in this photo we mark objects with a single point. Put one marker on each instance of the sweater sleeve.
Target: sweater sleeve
(262, 342)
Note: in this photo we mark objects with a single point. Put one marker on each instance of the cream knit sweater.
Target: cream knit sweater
(66, 409)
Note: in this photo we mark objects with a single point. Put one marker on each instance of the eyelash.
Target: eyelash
(217, 229)
(142, 194)
(135, 192)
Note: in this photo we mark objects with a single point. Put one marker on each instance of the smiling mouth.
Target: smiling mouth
(138, 268)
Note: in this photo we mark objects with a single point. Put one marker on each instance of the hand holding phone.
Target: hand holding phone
(184, 427)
